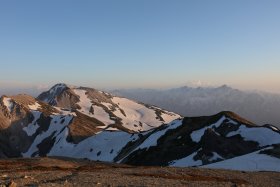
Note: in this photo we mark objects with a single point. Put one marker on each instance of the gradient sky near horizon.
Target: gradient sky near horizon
(140, 43)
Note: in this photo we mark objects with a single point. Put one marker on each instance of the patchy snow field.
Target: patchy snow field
(250, 162)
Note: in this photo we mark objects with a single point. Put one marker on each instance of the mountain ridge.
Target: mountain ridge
(75, 123)
(259, 107)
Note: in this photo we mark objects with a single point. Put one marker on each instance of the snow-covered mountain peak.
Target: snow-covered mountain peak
(110, 112)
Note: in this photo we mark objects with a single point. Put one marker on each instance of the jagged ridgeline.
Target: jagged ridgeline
(74, 113)
(86, 123)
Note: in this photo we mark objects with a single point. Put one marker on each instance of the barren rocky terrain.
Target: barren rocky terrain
(58, 171)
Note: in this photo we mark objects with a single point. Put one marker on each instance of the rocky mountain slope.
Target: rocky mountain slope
(80, 112)
(205, 140)
(112, 113)
(86, 123)
(259, 107)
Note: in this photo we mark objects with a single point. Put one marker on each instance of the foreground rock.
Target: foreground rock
(69, 172)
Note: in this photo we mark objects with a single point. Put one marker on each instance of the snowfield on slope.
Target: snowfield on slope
(134, 116)
(153, 139)
(250, 162)
(139, 115)
(86, 107)
(35, 106)
(197, 135)
(264, 136)
(8, 103)
(186, 162)
(55, 128)
(104, 146)
(31, 128)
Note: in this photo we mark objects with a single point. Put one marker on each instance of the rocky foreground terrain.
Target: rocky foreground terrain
(71, 172)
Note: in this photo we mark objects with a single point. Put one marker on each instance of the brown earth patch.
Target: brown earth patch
(74, 172)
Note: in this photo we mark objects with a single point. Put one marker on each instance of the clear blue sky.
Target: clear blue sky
(140, 43)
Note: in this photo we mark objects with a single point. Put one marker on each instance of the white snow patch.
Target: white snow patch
(169, 116)
(264, 136)
(85, 102)
(8, 102)
(186, 162)
(58, 86)
(108, 105)
(138, 117)
(215, 156)
(112, 129)
(54, 91)
(98, 112)
(250, 162)
(104, 146)
(196, 135)
(53, 128)
(35, 106)
(274, 128)
(166, 115)
(64, 112)
(153, 138)
(102, 115)
(33, 126)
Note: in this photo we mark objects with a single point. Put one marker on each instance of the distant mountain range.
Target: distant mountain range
(86, 123)
(259, 107)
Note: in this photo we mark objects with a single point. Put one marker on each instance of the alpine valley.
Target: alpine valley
(86, 123)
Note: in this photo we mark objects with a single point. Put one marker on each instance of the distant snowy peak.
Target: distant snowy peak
(110, 112)
(185, 89)
(262, 108)
(199, 83)
(51, 95)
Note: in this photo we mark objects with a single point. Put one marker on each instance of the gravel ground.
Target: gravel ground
(71, 172)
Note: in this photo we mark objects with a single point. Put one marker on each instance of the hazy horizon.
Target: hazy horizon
(140, 44)
(35, 90)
